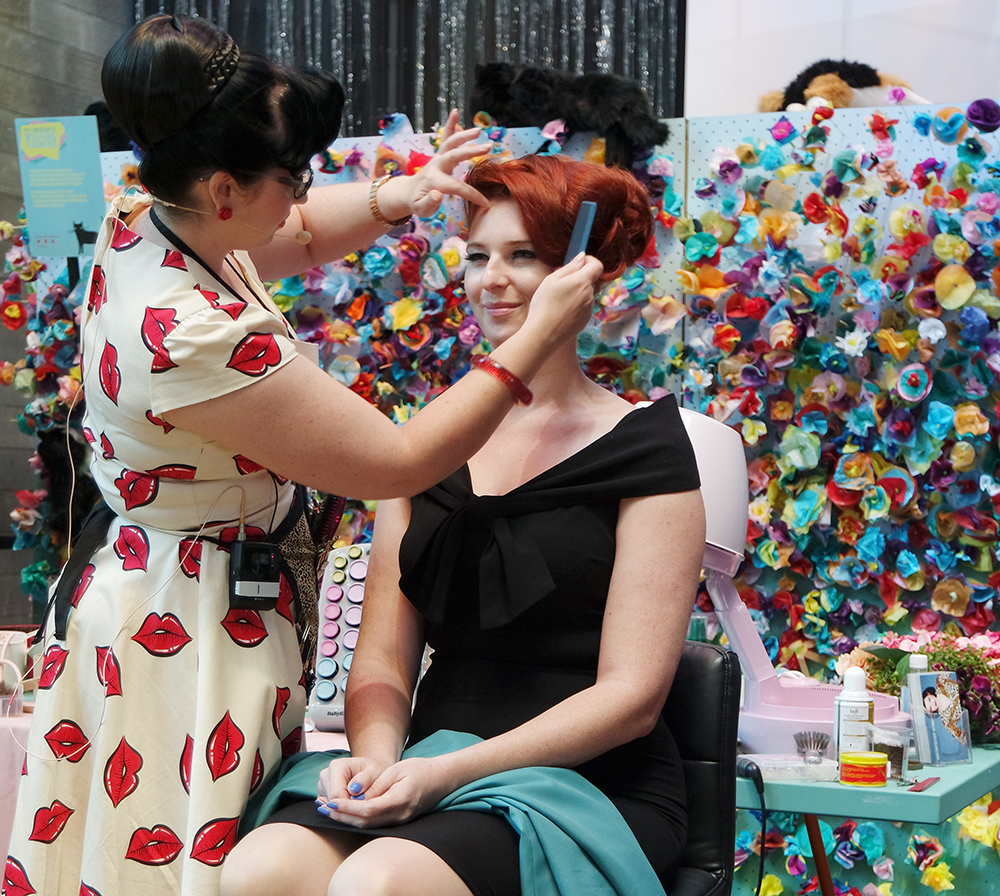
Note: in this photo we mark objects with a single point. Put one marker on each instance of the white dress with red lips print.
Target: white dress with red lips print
(163, 710)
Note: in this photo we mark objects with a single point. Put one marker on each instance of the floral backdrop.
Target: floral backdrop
(823, 281)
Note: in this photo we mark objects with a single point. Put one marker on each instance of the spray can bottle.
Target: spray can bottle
(853, 714)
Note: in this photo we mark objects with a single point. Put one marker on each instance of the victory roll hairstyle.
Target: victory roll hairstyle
(194, 104)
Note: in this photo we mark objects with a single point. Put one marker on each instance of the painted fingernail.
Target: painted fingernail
(323, 811)
(354, 787)
(331, 807)
(360, 796)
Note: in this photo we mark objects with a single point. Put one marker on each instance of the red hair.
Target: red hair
(548, 191)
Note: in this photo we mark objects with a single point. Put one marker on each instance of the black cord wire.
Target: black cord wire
(747, 768)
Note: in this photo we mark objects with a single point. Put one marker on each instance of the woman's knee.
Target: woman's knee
(279, 859)
(387, 866)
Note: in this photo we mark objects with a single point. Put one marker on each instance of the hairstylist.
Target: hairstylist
(161, 709)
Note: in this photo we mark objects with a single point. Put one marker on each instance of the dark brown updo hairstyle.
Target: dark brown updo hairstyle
(548, 191)
(193, 103)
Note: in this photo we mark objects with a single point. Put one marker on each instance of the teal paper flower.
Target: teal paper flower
(922, 123)
(907, 563)
(938, 422)
(699, 246)
(871, 839)
(379, 262)
(914, 383)
(772, 158)
(871, 545)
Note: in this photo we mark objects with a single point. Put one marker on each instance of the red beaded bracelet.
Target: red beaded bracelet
(522, 394)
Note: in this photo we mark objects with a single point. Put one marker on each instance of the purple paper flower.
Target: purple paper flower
(983, 114)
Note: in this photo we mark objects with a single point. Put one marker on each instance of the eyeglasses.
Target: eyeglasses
(299, 183)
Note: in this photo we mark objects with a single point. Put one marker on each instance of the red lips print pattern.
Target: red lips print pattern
(223, 750)
(84, 584)
(162, 635)
(67, 741)
(280, 702)
(255, 354)
(108, 372)
(137, 489)
(184, 766)
(214, 841)
(52, 666)
(96, 296)
(233, 309)
(49, 822)
(157, 324)
(132, 548)
(245, 627)
(121, 773)
(173, 259)
(154, 846)
(109, 673)
(157, 421)
(15, 881)
(189, 550)
(122, 238)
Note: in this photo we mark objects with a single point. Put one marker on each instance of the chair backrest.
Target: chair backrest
(702, 712)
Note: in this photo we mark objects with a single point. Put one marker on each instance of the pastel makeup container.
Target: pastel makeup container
(341, 599)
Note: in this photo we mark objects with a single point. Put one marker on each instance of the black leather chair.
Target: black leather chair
(702, 712)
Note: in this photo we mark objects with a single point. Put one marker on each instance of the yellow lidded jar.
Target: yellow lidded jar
(863, 769)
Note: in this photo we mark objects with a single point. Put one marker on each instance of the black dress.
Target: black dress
(513, 588)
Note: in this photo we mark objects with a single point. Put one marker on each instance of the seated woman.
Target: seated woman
(553, 577)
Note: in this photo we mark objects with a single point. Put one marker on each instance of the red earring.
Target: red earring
(225, 213)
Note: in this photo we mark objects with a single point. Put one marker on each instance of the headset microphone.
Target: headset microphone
(303, 237)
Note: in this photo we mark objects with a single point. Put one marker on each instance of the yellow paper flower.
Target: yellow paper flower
(748, 154)
(969, 420)
(892, 343)
(405, 313)
(887, 265)
(893, 614)
(868, 227)
(977, 825)
(962, 456)
(953, 286)
(760, 508)
(753, 431)
(989, 303)
(832, 251)
(778, 225)
(904, 219)
(771, 886)
(938, 877)
(950, 248)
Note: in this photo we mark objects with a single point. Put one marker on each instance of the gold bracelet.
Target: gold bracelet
(373, 204)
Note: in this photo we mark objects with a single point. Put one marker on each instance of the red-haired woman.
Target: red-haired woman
(553, 577)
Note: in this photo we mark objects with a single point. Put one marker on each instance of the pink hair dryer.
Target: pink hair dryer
(774, 708)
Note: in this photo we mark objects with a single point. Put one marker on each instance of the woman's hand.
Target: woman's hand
(564, 300)
(403, 791)
(346, 779)
(421, 194)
